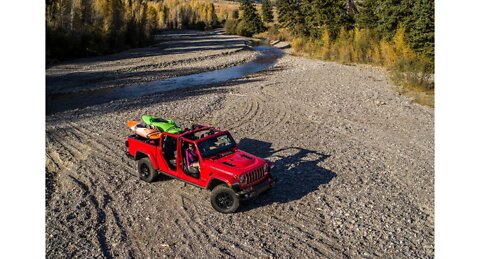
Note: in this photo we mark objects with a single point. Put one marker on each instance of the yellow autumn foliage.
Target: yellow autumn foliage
(324, 52)
(360, 46)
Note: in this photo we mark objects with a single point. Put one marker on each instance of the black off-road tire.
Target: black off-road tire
(146, 171)
(224, 199)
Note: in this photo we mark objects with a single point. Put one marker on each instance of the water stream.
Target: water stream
(266, 58)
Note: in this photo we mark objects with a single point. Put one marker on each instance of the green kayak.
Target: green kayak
(162, 125)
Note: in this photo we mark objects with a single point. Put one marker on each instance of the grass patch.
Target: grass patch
(419, 95)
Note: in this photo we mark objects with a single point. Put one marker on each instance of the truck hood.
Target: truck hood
(238, 162)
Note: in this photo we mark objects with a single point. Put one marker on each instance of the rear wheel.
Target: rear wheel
(224, 199)
(146, 171)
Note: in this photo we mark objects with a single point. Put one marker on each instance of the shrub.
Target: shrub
(298, 44)
(387, 53)
(241, 29)
(376, 55)
(324, 52)
(230, 26)
(274, 32)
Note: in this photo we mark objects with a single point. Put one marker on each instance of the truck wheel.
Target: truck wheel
(146, 171)
(224, 199)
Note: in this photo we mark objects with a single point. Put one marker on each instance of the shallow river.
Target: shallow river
(266, 58)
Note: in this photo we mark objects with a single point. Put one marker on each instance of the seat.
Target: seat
(172, 162)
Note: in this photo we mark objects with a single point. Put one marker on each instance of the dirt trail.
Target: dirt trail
(354, 163)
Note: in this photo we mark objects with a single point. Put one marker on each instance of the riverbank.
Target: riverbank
(412, 73)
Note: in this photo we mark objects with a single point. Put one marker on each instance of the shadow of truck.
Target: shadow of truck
(297, 171)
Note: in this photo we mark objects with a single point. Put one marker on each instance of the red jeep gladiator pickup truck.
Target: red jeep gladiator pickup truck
(231, 174)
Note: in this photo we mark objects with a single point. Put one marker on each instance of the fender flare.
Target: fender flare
(139, 155)
(214, 181)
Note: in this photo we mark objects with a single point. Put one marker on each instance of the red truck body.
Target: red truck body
(220, 160)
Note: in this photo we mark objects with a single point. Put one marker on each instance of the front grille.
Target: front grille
(254, 175)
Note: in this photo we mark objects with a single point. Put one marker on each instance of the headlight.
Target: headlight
(243, 178)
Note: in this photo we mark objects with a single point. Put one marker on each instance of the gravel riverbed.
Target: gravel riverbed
(354, 163)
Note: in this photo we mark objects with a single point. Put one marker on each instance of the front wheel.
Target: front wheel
(224, 199)
(146, 171)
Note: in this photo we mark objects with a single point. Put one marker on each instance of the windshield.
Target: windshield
(216, 145)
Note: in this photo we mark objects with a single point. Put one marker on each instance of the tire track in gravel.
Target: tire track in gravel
(187, 234)
(56, 156)
(64, 154)
(194, 216)
(100, 219)
(254, 120)
(304, 227)
(238, 248)
(237, 120)
(103, 147)
(297, 235)
(323, 246)
(228, 243)
(258, 117)
(76, 159)
(264, 101)
(294, 244)
(109, 224)
(250, 124)
(90, 135)
(52, 158)
(123, 233)
(206, 245)
(202, 240)
(75, 155)
(172, 207)
(280, 109)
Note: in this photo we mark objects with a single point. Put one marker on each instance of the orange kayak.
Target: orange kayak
(143, 130)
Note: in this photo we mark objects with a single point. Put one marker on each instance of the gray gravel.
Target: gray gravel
(354, 163)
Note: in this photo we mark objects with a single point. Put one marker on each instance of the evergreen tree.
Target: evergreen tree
(422, 34)
(267, 12)
(251, 22)
(311, 24)
(290, 16)
(351, 7)
(235, 14)
(326, 14)
(393, 13)
(367, 14)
